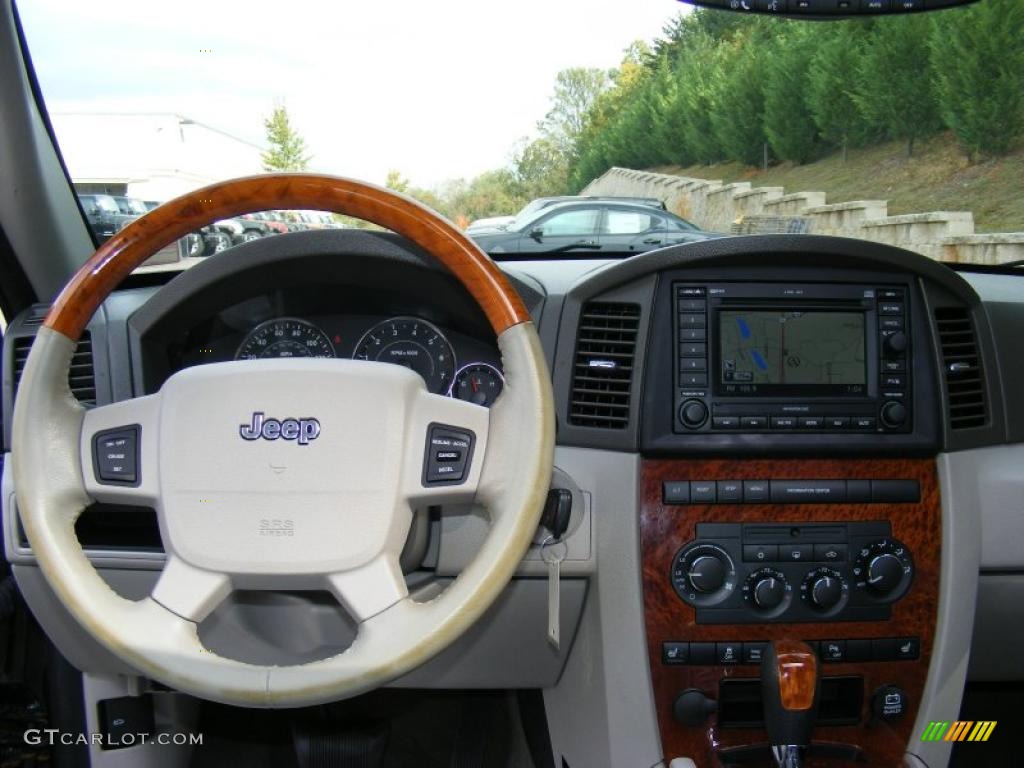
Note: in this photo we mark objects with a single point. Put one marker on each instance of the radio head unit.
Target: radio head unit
(792, 357)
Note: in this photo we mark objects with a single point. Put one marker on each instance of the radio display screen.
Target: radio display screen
(762, 351)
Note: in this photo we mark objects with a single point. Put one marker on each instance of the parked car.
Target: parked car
(489, 224)
(103, 214)
(592, 226)
(505, 223)
(271, 222)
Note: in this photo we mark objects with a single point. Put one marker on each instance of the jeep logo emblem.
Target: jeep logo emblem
(304, 431)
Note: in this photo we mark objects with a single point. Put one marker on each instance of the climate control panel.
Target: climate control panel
(735, 573)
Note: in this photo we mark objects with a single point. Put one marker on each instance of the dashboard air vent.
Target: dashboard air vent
(961, 366)
(603, 365)
(81, 378)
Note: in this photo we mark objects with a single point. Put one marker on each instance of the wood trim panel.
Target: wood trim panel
(127, 249)
(664, 529)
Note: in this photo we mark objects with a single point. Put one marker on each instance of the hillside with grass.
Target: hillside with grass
(937, 178)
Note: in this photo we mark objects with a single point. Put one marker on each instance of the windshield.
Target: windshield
(900, 129)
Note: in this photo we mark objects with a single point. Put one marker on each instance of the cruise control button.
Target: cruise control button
(449, 452)
(116, 456)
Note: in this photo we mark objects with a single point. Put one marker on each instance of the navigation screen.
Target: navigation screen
(792, 348)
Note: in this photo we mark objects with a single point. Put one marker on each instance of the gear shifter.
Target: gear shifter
(789, 687)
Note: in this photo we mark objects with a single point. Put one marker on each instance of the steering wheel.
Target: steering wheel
(282, 473)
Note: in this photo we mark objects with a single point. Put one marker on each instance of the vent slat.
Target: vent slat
(81, 375)
(603, 365)
(961, 365)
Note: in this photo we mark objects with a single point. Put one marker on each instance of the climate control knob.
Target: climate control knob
(703, 574)
(825, 590)
(884, 570)
(884, 573)
(706, 574)
(767, 592)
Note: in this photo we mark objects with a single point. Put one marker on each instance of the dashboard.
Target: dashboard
(763, 438)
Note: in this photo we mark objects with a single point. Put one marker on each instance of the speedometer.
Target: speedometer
(285, 337)
(414, 343)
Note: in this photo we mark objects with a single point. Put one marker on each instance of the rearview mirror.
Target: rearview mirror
(829, 9)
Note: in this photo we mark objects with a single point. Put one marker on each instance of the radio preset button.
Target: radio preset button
(692, 321)
(693, 379)
(692, 305)
(692, 334)
(691, 349)
(693, 364)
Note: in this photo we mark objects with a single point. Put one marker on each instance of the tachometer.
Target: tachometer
(414, 343)
(478, 383)
(285, 337)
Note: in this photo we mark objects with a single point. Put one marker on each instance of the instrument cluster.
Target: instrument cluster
(449, 363)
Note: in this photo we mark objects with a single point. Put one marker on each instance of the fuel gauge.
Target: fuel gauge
(478, 383)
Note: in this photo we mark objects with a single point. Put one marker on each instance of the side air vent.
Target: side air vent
(81, 378)
(603, 365)
(961, 366)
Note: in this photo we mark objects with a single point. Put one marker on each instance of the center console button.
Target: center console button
(753, 653)
(837, 422)
(692, 321)
(675, 653)
(693, 364)
(755, 491)
(702, 491)
(725, 422)
(864, 422)
(676, 492)
(754, 422)
(908, 648)
(760, 553)
(692, 334)
(729, 653)
(831, 553)
(692, 305)
(796, 553)
(784, 422)
(808, 491)
(693, 349)
(693, 379)
(833, 650)
(811, 422)
(730, 492)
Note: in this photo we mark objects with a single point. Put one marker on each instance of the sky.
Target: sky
(437, 91)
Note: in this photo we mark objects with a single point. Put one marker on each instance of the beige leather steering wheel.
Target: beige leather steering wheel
(352, 436)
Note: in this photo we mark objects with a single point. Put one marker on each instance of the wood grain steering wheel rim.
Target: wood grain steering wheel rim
(349, 526)
(127, 249)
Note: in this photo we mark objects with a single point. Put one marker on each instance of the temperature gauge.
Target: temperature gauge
(478, 383)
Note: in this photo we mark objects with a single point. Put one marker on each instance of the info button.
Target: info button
(808, 491)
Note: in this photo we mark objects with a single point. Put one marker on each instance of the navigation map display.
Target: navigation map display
(791, 347)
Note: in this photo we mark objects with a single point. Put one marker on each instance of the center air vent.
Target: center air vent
(81, 377)
(961, 367)
(603, 365)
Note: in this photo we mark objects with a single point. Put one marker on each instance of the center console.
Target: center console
(855, 576)
(789, 494)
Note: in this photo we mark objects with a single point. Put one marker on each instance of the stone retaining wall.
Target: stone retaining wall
(718, 207)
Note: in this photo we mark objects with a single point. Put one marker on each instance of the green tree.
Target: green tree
(788, 123)
(540, 168)
(978, 58)
(576, 89)
(830, 94)
(894, 89)
(287, 150)
(737, 115)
